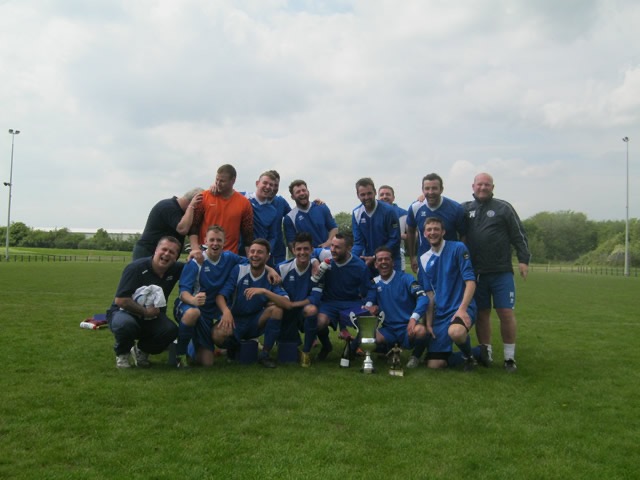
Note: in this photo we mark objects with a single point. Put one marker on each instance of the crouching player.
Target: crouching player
(196, 309)
(448, 279)
(246, 311)
(402, 302)
(296, 280)
(343, 288)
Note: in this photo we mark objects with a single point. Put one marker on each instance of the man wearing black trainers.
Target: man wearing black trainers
(493, 227)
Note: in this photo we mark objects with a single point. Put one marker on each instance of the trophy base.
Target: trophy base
(367, 366)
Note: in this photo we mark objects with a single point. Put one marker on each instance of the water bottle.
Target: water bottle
(324, 266)
(88, 326)
(345, 360)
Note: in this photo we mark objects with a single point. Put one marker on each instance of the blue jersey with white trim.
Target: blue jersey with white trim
(208, 278)
(374, 230)
(444, 273)
(399, 298)
(316, 220)
(241, 279)
(265, 220)
(296, 282)
(282, 208)
(449, 211)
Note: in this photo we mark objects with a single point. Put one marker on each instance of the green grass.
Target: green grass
(66, 412)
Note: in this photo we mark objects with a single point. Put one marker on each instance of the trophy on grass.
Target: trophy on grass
(367, 327)
(395, 367)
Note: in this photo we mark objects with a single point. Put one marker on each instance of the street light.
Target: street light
(626, 230)
(13, 134)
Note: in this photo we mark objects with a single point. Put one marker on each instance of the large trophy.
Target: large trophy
(367, 327)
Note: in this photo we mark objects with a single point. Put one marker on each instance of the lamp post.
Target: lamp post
(13, 134)
(626, 229)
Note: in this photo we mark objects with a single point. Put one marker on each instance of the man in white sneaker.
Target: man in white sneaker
(134, 319)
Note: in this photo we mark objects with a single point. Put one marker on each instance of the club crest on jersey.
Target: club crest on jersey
(491, 213)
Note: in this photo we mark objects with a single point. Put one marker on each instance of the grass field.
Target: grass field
(571, 410)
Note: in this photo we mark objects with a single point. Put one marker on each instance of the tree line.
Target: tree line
(20, 235)
(562, 236)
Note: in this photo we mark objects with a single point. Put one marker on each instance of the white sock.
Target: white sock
(509, 351)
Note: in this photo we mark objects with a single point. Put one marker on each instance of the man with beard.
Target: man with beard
(308, 216)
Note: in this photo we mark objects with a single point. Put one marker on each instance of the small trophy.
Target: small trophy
(395, 368)
(367, 327)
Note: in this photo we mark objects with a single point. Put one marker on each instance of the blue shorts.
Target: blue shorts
(247, 327)
(396, 334)
(335, 310)
(497, 286)
(442, 342)
(203, 329)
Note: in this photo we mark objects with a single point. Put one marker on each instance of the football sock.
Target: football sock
(185, 334)
(323, 336)
(465, 347)
(419, 347)
(509, 351)
(271, 333)
(310, 332)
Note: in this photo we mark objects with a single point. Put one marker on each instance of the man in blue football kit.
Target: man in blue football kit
(374, 224)
(387, 194)
(308, 216)
(279, 253)
(246, 312)
(342, 289)
(266, 222)
(401, 302)
(448, 278)
(433, 205)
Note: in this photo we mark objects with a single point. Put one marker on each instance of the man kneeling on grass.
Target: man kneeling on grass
(448, 279)
(250, 314)
(139, 311)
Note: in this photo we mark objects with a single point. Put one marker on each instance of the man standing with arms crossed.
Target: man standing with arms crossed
(493, 226)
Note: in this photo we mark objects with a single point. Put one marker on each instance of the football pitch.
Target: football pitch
(571, 410)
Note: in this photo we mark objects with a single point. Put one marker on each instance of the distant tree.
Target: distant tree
(343, 219)
(566, 235)
(17, 233)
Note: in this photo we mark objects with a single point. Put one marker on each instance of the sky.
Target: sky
(123, 103)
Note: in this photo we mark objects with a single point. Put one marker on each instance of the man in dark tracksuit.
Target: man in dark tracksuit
(493, 226)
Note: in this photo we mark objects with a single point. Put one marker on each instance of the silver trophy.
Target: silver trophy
(367, 327)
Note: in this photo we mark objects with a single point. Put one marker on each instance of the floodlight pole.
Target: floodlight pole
(13, 134)
(626, 229)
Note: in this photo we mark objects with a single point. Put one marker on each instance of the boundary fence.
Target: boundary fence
(31, 257)
(583, 269)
